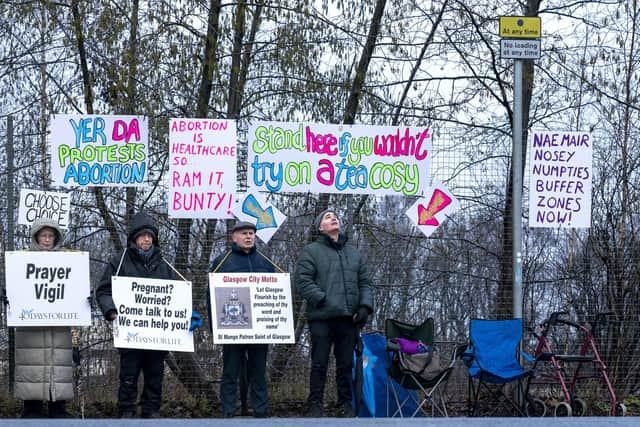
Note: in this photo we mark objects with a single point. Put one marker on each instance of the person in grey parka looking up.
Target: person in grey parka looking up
(332, 277)
(43, 355)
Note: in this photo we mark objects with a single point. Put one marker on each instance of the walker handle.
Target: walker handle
(600, 319)
(554, 318)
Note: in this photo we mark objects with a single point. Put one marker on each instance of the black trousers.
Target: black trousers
(151, 364)
(341, 333)
(232, 357)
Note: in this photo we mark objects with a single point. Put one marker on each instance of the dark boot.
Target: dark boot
(58, 409)
(315, 409)
(32, 409)
(344, 410)
(126, 414)
(264, 414)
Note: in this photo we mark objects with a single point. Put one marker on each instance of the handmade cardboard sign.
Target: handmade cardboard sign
(99, 150)
(202, 168)
(560, 179)
(51, 205)
(254, 208)
(346, 159)
(429, 212)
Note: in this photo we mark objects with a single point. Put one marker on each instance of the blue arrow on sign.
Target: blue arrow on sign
(265, 217)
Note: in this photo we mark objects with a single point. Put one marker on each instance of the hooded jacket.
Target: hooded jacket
(43, 356)
(333, 278)
(132, 263)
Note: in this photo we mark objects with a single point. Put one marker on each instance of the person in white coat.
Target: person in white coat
(43, 355)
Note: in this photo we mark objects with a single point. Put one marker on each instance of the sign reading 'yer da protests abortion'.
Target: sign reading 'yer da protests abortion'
(47, 288)
(560, 179)
(96, 150)
(153, 314)
(251, 308)
(51, 205)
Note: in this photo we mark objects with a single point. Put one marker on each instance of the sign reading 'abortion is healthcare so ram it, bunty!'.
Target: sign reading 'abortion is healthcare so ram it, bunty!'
(96, 150)
(202, 168)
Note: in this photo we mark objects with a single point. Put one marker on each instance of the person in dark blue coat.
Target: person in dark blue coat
(141, 258)
(243, 257)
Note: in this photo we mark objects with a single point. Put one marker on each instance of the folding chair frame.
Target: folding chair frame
(497, 389)
(408, 380)
(495, 386)
(431, 391)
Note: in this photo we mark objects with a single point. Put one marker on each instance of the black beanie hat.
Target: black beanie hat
(318, 220)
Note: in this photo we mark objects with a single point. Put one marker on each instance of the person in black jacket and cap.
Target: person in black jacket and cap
(333, 278)
(243, 257)
(141, 258)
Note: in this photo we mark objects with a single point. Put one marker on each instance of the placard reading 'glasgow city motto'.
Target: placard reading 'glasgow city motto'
(251, 308)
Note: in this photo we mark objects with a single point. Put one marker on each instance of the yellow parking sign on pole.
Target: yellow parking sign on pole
(520, 27)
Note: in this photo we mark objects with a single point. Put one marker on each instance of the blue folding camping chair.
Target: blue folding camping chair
(492, 361)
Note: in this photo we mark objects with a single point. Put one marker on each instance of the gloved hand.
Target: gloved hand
(361, 316)
(91, 303)
(196, 321)
(322, 302)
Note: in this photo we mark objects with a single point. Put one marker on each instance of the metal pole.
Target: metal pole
(10, 199)
(10, 247)
(516, 197)
(516, 162)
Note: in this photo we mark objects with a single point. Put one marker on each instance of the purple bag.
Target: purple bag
(410, 346)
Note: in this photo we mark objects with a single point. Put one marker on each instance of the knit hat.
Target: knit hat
(244, 225)
(145, 230)
(318, 220)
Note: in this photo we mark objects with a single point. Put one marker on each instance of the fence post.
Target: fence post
(10, 247)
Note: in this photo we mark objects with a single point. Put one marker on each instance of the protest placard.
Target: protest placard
(153, 314)
(254, 208)
(202, 168)
(36, 204)
(428, 212)
(322, 158)
(251, 308)
(99, 150)
(560, 179)
(47, 288)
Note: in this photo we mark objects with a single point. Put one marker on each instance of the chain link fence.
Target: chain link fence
(452, 276)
